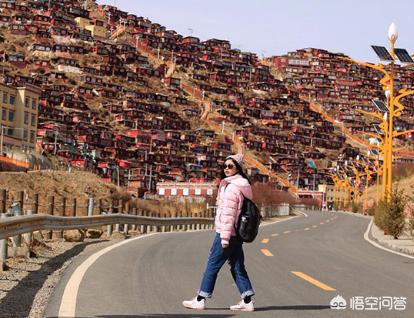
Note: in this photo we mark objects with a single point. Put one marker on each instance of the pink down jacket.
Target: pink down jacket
(231, 193)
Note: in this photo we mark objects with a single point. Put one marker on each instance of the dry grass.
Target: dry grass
(266, 194)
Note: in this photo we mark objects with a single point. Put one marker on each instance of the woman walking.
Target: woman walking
(234, 186)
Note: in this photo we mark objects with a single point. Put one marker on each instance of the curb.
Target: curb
(391, 248)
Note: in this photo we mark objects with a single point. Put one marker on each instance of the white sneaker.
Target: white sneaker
(195, 304)
(241, 306)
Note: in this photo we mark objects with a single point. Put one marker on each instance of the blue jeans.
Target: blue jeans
(218, 256)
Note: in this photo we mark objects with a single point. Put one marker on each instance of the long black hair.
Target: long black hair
(239, 170)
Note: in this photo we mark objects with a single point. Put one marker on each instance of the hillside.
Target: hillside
(137, 104)
(77, 184)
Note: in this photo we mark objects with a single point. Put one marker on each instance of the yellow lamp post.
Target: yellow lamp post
(394, 108)
(346, 186)
(357, 181)
(337, 190)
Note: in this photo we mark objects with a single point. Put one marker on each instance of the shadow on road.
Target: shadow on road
(192, 315)
(28, 287)
(206, 314)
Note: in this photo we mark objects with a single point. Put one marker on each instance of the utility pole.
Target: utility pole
(150, 179)
(1, 140)
(297, 180)
(55, 143)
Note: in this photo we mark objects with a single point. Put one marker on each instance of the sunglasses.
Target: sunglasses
(230, 166)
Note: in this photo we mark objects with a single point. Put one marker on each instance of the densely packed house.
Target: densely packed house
(139, 104)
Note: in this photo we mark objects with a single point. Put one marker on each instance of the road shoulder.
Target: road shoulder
(404, 246)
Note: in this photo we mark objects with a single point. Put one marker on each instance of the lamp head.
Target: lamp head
(392, 32)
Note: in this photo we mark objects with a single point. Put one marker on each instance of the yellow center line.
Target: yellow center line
(307, 229)
(265, 241)
(275, 234)
(286, 232)
(313, 281)
(266, 252)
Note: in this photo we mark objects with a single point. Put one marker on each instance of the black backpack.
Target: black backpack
(249, 221)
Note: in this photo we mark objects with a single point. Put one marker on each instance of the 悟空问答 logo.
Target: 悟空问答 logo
(338, 302)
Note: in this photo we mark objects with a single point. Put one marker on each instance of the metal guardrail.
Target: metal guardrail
(17, 225)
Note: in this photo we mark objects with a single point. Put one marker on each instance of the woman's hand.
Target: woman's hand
(224, 244)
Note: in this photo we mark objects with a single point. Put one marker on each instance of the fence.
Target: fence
(16, 222)
(63, 206)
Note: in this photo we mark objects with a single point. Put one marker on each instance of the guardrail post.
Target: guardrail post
(35, 207)
(90, 206)
(16, 211)
(50, 211)
(21, 201)
(3, 247)
(58, 234)
(3, 199)
(101, 209)
(74, 207)
(134, 226)
(109, 227)
(119, 209)
(126, 226)
(63, 206)
(28, 236)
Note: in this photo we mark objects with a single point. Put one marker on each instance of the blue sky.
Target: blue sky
(276, 27)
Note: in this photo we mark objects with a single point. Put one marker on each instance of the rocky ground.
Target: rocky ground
(25, 287)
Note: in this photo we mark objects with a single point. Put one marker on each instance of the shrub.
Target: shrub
(392, 213)
(371, 210)
(402, 170)
(265, 194)
(411, 225)
(379, 214)
(355, 207)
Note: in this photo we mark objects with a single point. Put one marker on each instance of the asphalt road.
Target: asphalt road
(297, 267)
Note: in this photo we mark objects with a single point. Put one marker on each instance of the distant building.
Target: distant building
(19, 115)
(328, 191)
(186, 190)
(318, 196)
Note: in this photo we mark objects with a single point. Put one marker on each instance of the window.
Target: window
(161, 191)
(197, 191)
(5, 98)
(174, 191)
(186, 191)
(26, 118)
(34, 104)
(33, 120)
(32, 136)
(25, 134)
(27, 102)
(3, 114)
(210, 192)
(11, 115)
(12, 100)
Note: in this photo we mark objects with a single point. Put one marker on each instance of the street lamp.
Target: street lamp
(394, 106)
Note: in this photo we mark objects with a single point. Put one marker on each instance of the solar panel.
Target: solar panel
(382, 53)
(403, 55)
(378, 129)
(375, 152)
(380, 105)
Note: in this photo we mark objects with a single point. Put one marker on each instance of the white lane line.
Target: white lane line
(68, 303)
(366, 237)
